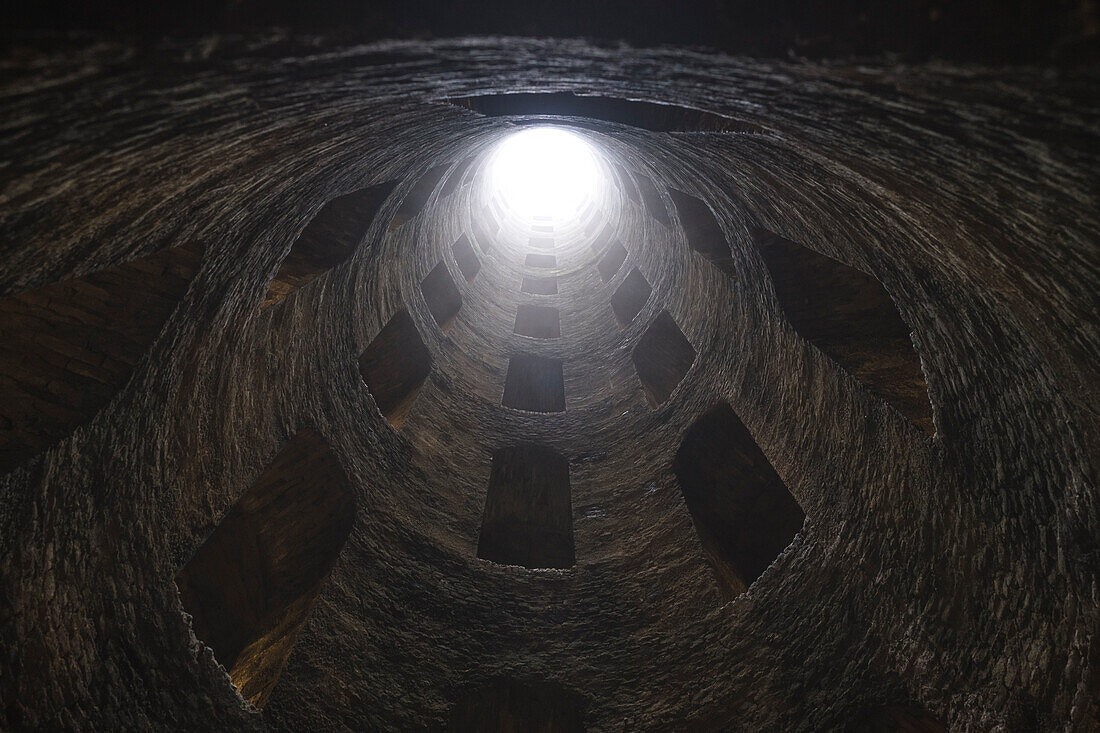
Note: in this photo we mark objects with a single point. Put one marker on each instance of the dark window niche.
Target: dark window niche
(68, 348)
(418, 195)
(651, 197)
(542, 242)
(537, 321)
(466, 259)
(539, 260)
(743, 512)
(512, 706)
(394, 367)
(702, 231)
(455, 179)
(528, 518)
(540, 285)
(612, 260)
(328, 240)
(483, 234)
(603, 239)
(442, 296)
(628, 183)
(535, 384)
(251, 586)
(849, 316)
(631, 297)
(653, 116)
(662, 358)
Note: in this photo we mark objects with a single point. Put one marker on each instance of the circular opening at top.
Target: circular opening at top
(544, 172)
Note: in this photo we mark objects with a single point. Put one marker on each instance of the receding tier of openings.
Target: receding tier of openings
(604, 238)
(453, 180)
(466, 259)
(653, 116)
(528, 518)
(540, 285)
(66, 349)
(540, 260)
(251, 586)
(742, 511)
(418, 195)
(631, 297)
(702, 231)
(542, 242)
(899, 719)
(662, 358)
(442, 296)
(484, 228)
(394, 366)
(612, 260)
(537, 321)
(512, 706)
(535, 384)
(849, 315)
(651, 197)
(549, 229)
(628, 183)
(328, 240)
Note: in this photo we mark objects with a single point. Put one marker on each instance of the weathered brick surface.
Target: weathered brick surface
(957, 573)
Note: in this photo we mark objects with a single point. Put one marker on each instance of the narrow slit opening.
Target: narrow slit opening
(68, 348)
(662, 357)
(849, 316)
(442, 296)
(328, 240)
(630, 297)
(528, 518)
(251, 586)
(537, 321)
(394, 367)
(742, 511)
(702, 231)
(535, 384)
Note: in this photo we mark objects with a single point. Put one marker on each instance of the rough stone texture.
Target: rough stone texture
(954, 577)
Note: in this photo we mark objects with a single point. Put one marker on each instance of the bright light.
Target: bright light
(544, 171)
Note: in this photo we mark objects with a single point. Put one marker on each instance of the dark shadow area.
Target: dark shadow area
(742, 511)
(454, 180)
(612, 260)
(653, 116)
(394, 366)
(328, 240)
(652, 200)
(535, 384)
(540, 285)
(538, 260)
(66, 349)
(849, 315)
(537, 321)
(417, 197)
(528, 518)
(627, 182)
(442, 296)
(512, 706)
(466, 259)
(662, 358)
(702, 231)
(251, 586)
(631, 297)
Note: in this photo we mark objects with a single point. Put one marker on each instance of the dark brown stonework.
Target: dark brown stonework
(948, 578)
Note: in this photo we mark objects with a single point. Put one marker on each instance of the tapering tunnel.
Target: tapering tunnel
(517, 385)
